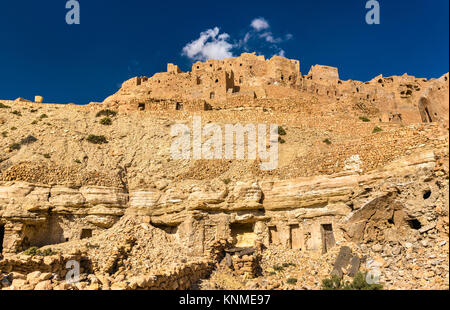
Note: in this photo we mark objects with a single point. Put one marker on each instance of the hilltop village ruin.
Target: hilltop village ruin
(277, 84)
(362, 164)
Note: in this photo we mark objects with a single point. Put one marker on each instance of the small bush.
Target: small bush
(31, 251)
(77, 161)
(364, 119)
(292, 281)
(34, 122)
(3, 106)
(286, 265)
(108, 113)
(282, 141)
(359, 283)
(281, 131)
(4, 134)
(377, 130)
(13, 128)
(33, 110)
(226, 181)
(34, 251)
(278, 268)
(47, 156)
(28, 140)
(97, 139)
(43, 116)
(15, 147)
(15, 112)
(327, 141)
(106, 121)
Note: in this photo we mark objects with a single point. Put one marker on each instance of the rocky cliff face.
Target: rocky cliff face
(97, 184)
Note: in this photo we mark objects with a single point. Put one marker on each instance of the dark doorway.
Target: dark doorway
(2, 235)
(141, 106)
(424, 111)
(327, 238)
(86, 233)
(179, 107)
(273, 235)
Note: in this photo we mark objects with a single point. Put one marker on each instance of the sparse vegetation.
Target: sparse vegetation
(359, 283)
(43, 116)
(292, 281)
(77, 161)
(34, 122)
(364, 119)
(3, 106)
(278, 268)
(282, 141)
(4, 134)
(281, 131)
(34, 251)
(47, 156)
(33, 110)
(377, 130)
(15, 147)
(28, 140)
(107, 113)
(97, 139)
(286, 265)
(15, 112)
(13, 128)
(226, 181)
(106, 121)
(327, 141)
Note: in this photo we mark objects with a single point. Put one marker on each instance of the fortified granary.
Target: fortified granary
(251, 81)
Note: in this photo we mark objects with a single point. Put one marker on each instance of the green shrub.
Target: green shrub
(43, 116)
(15, 112)
(286, 265)
(364, 119)
(47, 156)
(97, 139)
(33, 110)
(359, 283)
(327, 141)
(106, 121)
(281, 131)
(377, 130)
(34, 122)
(282, 141)
(292, 281)
(15, 147)
(77, 161)
(28, 140)
(34, 251)
(4, 134)
(3, 106)
(108, 113)
(278, 268)
(13, 128)
(226, 181)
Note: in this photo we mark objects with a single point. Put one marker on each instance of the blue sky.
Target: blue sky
(116, 40)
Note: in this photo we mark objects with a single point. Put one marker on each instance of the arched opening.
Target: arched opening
(211, 95)
(424, 110)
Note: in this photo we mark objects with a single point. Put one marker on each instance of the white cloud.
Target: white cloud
(281, 53)
(210, 45)
(215, 45)
(260, 24)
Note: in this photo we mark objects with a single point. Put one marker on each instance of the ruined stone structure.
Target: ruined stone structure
(252, 81)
